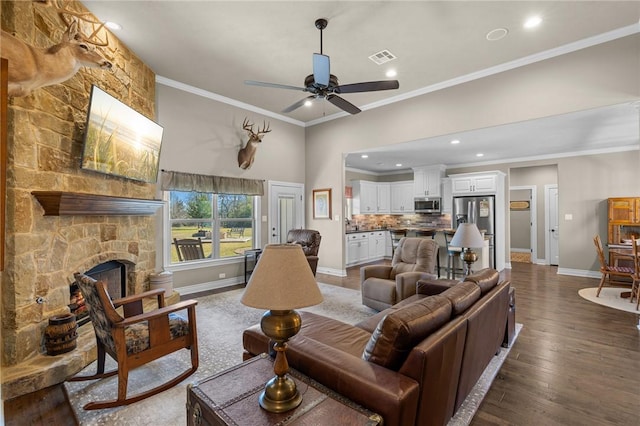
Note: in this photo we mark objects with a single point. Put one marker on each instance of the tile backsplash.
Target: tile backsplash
(366, 222)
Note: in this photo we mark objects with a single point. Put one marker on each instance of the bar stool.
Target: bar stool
(396, 236)
(453, 253)
(424, 233)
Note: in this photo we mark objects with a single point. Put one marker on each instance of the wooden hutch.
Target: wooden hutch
(624, 222)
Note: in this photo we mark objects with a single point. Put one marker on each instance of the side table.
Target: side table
(231, 398)
(250, 260)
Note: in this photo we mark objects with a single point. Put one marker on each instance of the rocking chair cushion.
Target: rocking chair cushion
(137, 335)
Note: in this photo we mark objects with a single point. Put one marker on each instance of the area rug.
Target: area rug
(221, 320)
(610, 297)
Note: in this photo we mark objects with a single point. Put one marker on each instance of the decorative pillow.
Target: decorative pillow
(399, 331)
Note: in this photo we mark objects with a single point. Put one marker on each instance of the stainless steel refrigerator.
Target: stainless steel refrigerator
(481, 211)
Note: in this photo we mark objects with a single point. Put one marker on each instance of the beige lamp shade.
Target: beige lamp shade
(467, 236)
(282, 280)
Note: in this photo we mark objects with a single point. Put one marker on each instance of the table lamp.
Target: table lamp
(281, 282)
(467, 236)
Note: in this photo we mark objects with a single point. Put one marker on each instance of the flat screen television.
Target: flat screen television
(120, 141)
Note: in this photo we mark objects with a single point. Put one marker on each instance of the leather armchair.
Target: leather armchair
(383, 286)
(309, 239)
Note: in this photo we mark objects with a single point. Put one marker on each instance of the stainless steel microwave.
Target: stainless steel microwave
(427, 205)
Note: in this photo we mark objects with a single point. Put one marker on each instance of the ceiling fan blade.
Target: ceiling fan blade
(297, 104)
(369, 86)
(343, 104)
(321, 69)
(274, 85)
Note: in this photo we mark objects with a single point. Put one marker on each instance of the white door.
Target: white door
(553, 229)
(286, 210)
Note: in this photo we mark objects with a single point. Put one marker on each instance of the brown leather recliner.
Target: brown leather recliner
(309, 239)
(383, 286)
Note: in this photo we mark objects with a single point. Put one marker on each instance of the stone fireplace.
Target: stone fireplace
(45, 134)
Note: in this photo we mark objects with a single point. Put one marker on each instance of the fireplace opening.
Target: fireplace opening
(113, 273)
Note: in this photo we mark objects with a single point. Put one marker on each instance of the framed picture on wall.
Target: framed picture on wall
(322, 203)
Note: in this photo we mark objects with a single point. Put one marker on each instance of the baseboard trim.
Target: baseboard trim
(585, 273)
(331, 271)
(210, 285)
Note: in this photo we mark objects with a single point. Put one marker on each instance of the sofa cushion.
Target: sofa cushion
(462, 296)
(434, 286)
(400, 330)
(486, 279)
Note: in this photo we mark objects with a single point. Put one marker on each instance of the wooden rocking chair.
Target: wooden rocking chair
(138, 338)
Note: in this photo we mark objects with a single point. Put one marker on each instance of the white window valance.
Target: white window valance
(178, 181)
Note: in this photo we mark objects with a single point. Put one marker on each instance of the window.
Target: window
(224, 223)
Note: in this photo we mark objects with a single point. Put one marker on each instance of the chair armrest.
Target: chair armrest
(132, 305)
(375, 271)
(187, 304)
(135, 297)
(406, 283)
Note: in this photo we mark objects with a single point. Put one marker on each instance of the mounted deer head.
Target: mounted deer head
(31, 68)
(247, 154)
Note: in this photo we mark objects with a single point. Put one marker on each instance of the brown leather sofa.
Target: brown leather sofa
(385, 285)
(413, 363)
(309, 239)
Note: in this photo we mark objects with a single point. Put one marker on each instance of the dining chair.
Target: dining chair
(189, 248)
(396, 236)
(610, 271)
(635, 286)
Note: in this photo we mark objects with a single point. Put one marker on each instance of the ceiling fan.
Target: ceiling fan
(324, 85)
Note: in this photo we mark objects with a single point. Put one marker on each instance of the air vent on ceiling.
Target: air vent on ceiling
(382, 57)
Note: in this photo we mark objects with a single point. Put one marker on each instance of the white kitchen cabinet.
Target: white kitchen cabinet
(447, 196)
(365, 197)
(402, 197)
(365, 247)
(357, 248)
(427, 180)
(383, 198)
(380, 239)
(474, 184)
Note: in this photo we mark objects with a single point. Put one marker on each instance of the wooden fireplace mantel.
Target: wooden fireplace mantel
(58, 203)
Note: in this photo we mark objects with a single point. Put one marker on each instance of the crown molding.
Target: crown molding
(225, 100)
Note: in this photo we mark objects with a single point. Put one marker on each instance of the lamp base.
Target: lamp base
(280, 394)
(469, 257)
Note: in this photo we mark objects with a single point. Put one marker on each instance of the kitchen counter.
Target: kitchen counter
(365, 230)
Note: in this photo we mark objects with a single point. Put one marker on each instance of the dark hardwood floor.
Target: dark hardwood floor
(574, 362)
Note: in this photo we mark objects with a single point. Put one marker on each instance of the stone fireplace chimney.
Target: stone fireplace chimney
(45, 136)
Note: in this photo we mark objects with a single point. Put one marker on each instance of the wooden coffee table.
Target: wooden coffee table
(231, 398)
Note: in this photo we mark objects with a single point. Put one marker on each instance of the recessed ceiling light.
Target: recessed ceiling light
(113, 25)
(497, 34)
(479, 154)
(532, 22)
(455, 142)
(398, 164)
(391, 73)
(308, 103)
(364, 156)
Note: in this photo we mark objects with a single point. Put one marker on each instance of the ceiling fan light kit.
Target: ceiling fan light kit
(324, 85)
